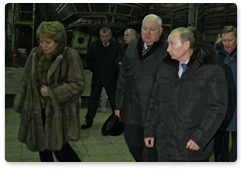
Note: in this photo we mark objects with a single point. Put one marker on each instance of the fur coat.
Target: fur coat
(65, 84)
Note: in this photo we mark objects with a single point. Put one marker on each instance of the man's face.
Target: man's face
(151, 31)
(229, 42)
(176, 48)
(105, 37)
(128, 37)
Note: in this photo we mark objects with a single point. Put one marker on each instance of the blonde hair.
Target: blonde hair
(53, 30)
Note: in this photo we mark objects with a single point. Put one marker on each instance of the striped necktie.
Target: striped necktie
(146, 50)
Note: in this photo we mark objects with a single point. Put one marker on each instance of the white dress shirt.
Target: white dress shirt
(181, 69)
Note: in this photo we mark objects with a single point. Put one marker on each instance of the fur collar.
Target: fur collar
(59, 50)
(203, 54)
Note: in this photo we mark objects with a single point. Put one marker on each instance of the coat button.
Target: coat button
(134, 96)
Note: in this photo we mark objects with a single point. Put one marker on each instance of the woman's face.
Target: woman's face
(48, 45)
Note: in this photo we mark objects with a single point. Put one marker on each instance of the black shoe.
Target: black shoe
(86, 126)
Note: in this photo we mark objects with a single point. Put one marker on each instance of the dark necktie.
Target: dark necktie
(146, 50)
(183, 65)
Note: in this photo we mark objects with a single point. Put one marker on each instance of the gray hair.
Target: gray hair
(154, 17)
(105, 30)
(228, 29)
(133, 32)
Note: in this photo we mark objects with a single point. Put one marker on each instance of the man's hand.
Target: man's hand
(149, 142)
(192, 145)
(117, 113)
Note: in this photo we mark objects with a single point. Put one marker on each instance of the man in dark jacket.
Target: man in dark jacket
(129, 36)
(227, 59)
(102, 60)
(188, 103)
(135, 83)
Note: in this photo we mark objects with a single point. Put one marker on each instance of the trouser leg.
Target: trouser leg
(224, 155)
(162, 158)
(94, 98)
(143, 153)
(67, 154)
(150, 154)
(136, 153)
(134, 137)
(233, 150)
(217, 144)
(46, 156)
(221, 146)
(110, 90)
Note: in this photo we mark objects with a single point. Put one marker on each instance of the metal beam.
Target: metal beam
(191, 14)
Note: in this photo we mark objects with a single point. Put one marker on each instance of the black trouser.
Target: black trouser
(161, 158)
(134, 136)
(221, 146)
(96, 89)
(233, 150)
(66, 154)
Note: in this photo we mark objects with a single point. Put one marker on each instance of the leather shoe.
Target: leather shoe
(86, 126)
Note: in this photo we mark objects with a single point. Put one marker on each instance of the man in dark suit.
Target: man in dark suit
(135, 83)
(102, 60)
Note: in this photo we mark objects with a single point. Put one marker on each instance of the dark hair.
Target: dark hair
(228, 29)
(186, 35)
(53, 30)
(105, 29)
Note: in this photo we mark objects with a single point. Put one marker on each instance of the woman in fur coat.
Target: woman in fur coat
(50, 95)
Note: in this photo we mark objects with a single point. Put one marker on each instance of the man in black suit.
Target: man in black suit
(102, 60)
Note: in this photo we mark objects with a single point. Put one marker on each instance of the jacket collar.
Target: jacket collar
(220, 49)
(109, 43)
(203, 54)
(54, 64)
(153, 48)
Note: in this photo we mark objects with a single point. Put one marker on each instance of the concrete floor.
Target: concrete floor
(92, 146)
